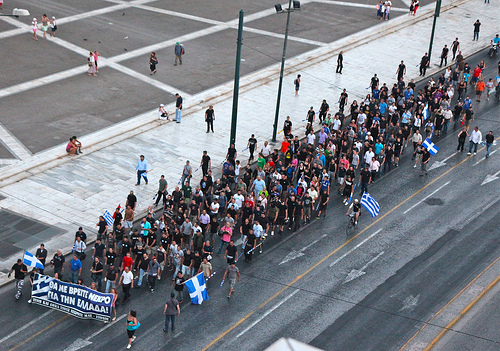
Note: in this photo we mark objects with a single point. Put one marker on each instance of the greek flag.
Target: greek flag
(425, 112)
(429, 145)
(370, 204)
(31, 261)
(108, 217)
(197, 289)
(484, 142)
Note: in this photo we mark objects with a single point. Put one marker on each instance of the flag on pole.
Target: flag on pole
(429, 145)
(425, 112)
(370, 204)
(197, 289)
(31, 261)
(108, 217)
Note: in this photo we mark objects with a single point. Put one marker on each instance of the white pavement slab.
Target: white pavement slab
(68, 192)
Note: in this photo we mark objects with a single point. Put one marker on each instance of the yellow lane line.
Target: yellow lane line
(40, 332)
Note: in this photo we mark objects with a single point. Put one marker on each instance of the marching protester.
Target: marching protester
(132, 325)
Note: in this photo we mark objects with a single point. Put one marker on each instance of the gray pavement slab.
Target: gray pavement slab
(80, 105)
(5, 153)
(5, 26)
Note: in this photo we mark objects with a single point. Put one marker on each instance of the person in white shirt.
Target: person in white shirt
(238, 199)
(447, 114)
(266, 150)
(311, 138)
(162, 113)
(127, 282)
(474, 140)
(79, 247)
(258, 231)
(368, 156)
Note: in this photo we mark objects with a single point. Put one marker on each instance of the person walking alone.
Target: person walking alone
(178, 51)
(455, 46)
(340, 60)
(477, 26)
(426, 156)
(153, 61)
(171, 310)
(444, 56)
(489, 141)
(162, 190)
(132, 325)
(210, 118)
(424, 63)
(296, 82)
(142, 170)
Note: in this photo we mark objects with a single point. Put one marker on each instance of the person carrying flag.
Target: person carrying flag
(426, 156)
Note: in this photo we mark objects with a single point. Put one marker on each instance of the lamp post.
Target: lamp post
(296, 6)
(436, 15)
(16, 13)
(234, 115)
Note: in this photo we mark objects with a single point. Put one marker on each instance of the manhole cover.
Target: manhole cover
(434, 201)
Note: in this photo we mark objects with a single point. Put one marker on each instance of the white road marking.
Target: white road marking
(25, 326)
(484, 158)
(490, 178)
(441, 163)
(106, 327)
(13, 145)
(425, 198)
(410, 303)
(354, 248)
(296, 254)
(266, 314)
(356, 273)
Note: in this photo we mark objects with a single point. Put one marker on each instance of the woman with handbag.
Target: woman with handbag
(132, 325)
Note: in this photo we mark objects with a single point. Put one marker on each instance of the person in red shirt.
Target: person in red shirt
(476, 74)
(127, 262)
(285, 145)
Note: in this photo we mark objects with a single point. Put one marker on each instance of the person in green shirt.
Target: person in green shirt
(162, 190)
(187, 191)
(261, 161)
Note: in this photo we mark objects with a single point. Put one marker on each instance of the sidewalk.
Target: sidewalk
(68, 192)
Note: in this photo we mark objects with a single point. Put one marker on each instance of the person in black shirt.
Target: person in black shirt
(231, 253)
(110, 256)
(374, 82)
(287, 126)
(117, 218)
(282, 214)
(343, 100)
(425, 160)
(20, 270)
(365, 177)
(143, 267)
(231, 154)
(96, 272)
(291, 204)
(131, 200)
(252, 144)
(401, 71)
(444, 56)
(58, 263)
(210, 118)
(297, 215)
(311, 115)
(110, 278)
(340, 59)
(322, 204)
(99, 249)
(205, 163)
(323, 110)
(41, 254)
(80, 233)
(250, 241)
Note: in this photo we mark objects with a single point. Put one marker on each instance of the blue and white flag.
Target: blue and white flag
(484, 142)
(197, 289)
(108, 217)
(429, 145)
(31, 261)
(370, 204)
(425, 112)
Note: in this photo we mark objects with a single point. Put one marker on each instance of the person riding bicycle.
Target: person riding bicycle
(495, 42)
(354, 210)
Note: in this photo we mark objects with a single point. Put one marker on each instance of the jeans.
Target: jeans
(141, 276)
(364, 187)
(184, 178)
(169, 318)
(488, 146)
(222, 244)
(178, 295)
(97, 278)
(109, 284)
(178, 115)
(472, 144)
(476, 36)
(73, 276)
(139, 176)
(445, 125)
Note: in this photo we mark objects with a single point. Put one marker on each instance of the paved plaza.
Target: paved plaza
(47, 96)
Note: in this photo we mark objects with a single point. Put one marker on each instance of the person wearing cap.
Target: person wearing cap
(53, 27)
(34, 28)
(162, 113)
(179, 51)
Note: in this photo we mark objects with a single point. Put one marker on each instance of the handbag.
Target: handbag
(83, 256)
(134, 327)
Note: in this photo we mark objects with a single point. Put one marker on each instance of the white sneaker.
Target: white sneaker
(129, 346)
(468, 153)
(414, 166)
(475, 153)
(272, 232)
(29, 301)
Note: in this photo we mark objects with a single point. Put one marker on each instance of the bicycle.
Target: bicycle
(351, 224)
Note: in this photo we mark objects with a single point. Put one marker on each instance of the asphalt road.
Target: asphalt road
(371, 291)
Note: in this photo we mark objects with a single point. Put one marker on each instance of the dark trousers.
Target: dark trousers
(476, 36)
(152, 281)
(248, 256)
(210, 126)
(126, 291)
(460, 144)
(139, 176)
(252, 150)
(422, 70)
(364, 187)
(445, 61)
(160, 195)
(169, 318)
(322, 115)
(339, 68)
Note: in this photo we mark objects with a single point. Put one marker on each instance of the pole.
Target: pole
(234, 116)
(436, 15)
(280, 85)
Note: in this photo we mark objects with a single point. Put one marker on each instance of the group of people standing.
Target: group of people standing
(46, 23)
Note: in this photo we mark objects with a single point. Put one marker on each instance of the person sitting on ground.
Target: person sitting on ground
(162, 113)
(74, 146)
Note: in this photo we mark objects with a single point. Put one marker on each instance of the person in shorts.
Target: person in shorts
(233, 273)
